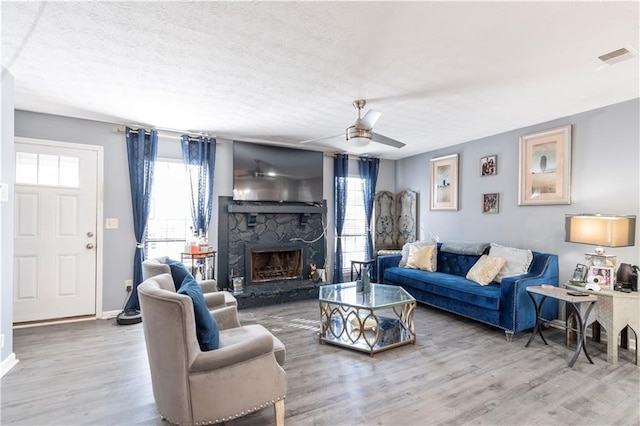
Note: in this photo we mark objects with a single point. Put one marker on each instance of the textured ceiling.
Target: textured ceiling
(441, 73)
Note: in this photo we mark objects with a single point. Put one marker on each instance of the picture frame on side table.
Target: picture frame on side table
(489, 165)
(605, 276)
(490, 203)
(444, 183)
(544, 175)
(579, 274)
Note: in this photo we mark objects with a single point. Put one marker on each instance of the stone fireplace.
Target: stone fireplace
(271, 246)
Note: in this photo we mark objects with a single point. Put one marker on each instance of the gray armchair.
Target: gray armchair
(156, 266)
(194, 387)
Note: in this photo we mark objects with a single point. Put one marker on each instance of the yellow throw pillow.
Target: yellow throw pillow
(485, 269)
(422, 257)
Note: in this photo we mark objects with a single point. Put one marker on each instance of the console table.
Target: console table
(205, 263)
(614, 311)
(562, 294)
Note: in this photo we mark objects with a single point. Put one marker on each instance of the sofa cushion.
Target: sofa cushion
(405, 250)
(446, 285)
(517, 261)
(178, 271)
(464, 247)
(422, 257)
(207, 331)
(485, 269)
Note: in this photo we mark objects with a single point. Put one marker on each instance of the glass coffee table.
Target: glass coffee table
(372, 321)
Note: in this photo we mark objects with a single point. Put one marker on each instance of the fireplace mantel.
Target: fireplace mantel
(267, 208)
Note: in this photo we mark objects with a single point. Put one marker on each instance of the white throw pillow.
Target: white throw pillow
(517, 261)
(405, 250)
(422, 257)
(485, 269)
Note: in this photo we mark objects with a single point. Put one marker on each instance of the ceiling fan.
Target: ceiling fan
(361, 133)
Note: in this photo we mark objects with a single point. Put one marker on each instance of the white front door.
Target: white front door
(55, 231)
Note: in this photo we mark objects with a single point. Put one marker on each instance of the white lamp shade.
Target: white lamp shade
(601, 230)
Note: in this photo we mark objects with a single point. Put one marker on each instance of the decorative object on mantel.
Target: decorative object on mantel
(544, 175)
(395, 219)
(444, 183)
(600, 230)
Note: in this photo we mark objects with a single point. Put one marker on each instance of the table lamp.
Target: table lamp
(600, 230)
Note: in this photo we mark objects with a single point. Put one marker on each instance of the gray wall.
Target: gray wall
(119, 243)
(605, 179)
(605, 173)
(6, 216)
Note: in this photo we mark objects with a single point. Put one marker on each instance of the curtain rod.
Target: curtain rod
(164, 133)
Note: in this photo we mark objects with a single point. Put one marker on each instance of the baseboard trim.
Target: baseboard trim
(8, 363)
(109, 314)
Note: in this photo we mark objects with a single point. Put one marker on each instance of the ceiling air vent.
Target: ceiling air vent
(616, 56)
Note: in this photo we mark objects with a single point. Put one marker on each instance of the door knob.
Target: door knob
(89, 234)
(89, 246)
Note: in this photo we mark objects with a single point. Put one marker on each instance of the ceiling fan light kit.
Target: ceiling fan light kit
(361, 133)
(359, 137)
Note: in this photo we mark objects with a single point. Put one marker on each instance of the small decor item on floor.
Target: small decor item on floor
(314, 275)
(238, 285)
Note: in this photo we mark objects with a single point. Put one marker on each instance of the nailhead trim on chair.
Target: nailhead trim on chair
(224, 419)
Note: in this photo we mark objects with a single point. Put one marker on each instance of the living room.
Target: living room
(604, 165)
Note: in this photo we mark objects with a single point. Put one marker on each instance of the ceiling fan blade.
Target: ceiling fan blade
(368, 120)
(376, 137)
(323, 139)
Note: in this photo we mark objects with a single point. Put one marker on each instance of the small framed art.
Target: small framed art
(545, 168)
(444, 183)
(601, 275)
(580, 273)
(490, 203)
(489, 165)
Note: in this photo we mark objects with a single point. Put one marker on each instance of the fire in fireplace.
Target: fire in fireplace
(275, 263)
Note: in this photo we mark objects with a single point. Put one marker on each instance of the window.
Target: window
(169, 214)
(354, 231)
(46, 169)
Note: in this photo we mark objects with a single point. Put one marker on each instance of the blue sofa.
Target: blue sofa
(506, 305)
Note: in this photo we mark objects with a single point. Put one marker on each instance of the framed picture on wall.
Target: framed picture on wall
(545, 168)
(444, 183)
(489, 165)
(490, 203)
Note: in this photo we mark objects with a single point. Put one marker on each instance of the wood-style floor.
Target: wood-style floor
(459, 372)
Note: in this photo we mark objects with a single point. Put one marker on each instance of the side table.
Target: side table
(614, 311)
(203, 262)
(562, 294)
(358, 265)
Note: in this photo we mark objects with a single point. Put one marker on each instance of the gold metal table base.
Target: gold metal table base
(369, 330)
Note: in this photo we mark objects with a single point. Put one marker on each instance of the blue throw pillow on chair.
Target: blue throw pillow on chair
(178, 272)
(207, 330)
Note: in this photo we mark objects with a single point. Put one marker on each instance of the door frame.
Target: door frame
(99, 150)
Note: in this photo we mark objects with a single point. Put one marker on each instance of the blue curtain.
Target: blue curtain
(142, 149)
(199, 156)
(340, 174)
(368, 168)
